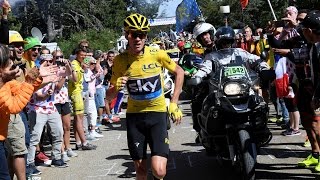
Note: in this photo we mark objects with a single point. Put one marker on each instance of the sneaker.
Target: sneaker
(309, 161)
(273, 119)
(307, 143)
(78, 146)
(91, 137)
(41, 158)
(89, 147)
(70, 153)
(114, 119)
(96, 135)
(64, 157)
(59, 163)
(31, 170)
(317, 168)
(292, 133)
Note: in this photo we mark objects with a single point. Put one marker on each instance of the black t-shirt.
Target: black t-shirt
(105, 65)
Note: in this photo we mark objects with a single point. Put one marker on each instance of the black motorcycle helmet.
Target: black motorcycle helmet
(225, 36)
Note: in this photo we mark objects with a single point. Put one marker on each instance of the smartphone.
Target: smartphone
(279, 23)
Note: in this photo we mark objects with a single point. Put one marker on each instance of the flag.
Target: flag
(285, 74)
(244, 3)
(282, 78)
(186, 12)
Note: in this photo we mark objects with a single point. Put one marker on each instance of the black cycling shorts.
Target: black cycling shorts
(63, 109)
(147, 128)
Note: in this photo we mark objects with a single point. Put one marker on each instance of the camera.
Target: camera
(280, 23)
(20, 65)
(60, 63)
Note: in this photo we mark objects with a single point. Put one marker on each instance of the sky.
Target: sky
(170, 7)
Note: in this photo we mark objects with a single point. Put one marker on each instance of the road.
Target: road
(187, 160)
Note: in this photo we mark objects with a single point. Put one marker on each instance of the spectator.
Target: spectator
(15, 95)
(75, 88)
(89, 90)
(61, 100)
(18, 137)
(107, 66)
(41, 110)
(4, 26)
(309, 107)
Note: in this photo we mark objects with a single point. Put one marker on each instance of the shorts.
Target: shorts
(147, 128)
(63, 109)
(99, 97)
(77, 103)
(291, 104)
(15, 142)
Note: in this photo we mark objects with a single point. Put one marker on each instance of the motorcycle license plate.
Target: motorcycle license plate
(234, 70)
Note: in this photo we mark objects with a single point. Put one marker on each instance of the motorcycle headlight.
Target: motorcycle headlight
(232, 89)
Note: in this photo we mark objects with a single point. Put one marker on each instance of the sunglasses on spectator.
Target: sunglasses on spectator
(93, 63)
(84, 46)
(17, 45)
(49, 61)
(141, 35)
(59, 57)
(36, 49)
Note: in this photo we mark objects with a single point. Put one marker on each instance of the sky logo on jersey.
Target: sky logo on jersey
(145, 88)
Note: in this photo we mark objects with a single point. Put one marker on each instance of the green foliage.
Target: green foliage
(103, 40)
(255, 15)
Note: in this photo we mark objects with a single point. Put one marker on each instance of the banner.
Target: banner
(244, 3)
(162, 21)
(187, 11)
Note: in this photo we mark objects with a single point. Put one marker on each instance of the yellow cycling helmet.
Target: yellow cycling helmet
(136, 22)
(15, 37)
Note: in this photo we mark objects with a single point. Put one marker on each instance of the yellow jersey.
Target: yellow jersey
(145, 84)
(76, 87)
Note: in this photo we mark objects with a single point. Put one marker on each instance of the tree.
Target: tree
(256, 14)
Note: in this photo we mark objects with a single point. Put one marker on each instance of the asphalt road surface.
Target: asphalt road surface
(187, 160)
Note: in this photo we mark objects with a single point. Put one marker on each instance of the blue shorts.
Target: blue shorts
(99, 97)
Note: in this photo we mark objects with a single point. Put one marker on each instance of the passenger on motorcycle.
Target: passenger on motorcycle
(225, 37)
(204, 33)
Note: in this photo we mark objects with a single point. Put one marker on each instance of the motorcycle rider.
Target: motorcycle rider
(204, 33)
(225, 37)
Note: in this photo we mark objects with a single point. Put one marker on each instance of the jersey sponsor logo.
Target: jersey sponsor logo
(150, 68)
(145, 88)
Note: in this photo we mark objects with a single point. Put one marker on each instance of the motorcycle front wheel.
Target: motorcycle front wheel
(247, 155)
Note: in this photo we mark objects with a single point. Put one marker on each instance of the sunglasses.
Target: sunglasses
(58, 57)
(84, 46)
(49, 61)
(93, 63)
(36, 49)
(138, 34)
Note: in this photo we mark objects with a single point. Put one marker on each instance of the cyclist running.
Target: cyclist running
(140, 69)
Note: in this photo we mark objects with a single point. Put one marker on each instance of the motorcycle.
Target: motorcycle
(233, 118)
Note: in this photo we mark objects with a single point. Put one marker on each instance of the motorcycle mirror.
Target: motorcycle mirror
(263, 55)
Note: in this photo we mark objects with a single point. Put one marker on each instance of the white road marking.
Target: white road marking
(190, 162)
(174, 130)
(186, 127)
(103, 175)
